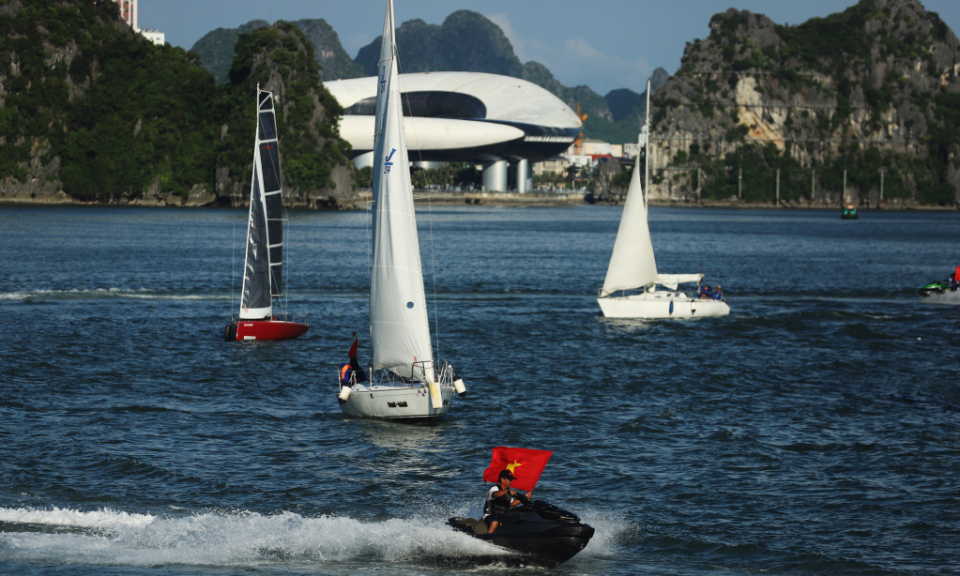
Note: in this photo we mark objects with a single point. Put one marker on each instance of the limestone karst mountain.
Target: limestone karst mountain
(91, 111)
(871, 92)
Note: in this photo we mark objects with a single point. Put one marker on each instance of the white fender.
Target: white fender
(435, 399)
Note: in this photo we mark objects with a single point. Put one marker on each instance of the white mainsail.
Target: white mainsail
(632, 264)
(263, 264)
(399, 325)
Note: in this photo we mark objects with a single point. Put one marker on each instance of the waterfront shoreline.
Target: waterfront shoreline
(531, 200)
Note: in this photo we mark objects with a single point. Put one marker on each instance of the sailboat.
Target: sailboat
(633, 267)
(263, 264)
(403, 381)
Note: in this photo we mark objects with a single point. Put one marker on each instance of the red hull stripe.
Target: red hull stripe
(269, 330)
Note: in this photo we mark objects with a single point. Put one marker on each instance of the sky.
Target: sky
(604, 44)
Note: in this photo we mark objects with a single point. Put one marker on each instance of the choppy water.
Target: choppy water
(814, 431)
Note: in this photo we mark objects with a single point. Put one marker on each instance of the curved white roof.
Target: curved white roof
(506, 99)
(430, 133)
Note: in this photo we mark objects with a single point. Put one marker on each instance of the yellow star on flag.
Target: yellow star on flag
(513, 467)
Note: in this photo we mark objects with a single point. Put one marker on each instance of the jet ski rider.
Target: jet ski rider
(500, 498)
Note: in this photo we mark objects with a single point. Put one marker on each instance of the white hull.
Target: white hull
(395, 402)
(662, 304)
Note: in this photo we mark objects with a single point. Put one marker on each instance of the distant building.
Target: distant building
(502, 123)
(555, 165)
(130, 11)
(594, 147)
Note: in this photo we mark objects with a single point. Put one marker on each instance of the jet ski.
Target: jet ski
(541, 533)
(938, 287)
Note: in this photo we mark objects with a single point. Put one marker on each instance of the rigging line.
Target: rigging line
(285, 258)
(433, 260)
(423, 177)
(233, 267)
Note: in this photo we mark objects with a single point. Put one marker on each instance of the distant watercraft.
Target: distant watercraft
(403, 382)
(849, 213)
(943, 291)
(263, 264)
(633, 267)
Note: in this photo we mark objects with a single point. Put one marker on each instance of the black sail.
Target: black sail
(263, 268)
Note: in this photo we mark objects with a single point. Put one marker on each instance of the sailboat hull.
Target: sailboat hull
(661, 305)
(395, 403)
(263, 330)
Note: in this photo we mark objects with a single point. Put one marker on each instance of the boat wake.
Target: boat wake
(106, 294)
(111, 537)
(108, 537)
(947, 297)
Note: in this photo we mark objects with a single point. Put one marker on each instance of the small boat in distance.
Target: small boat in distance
(849, 213)
(943, 291)
(263, 264)
(633, 267)
(403, 381)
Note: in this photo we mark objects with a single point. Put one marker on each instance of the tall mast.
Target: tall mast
(646, 147)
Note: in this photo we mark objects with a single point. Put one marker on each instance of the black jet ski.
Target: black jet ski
(542, 533)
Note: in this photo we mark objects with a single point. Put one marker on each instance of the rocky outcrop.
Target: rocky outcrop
(92, 112)
(215, 48)
(314, 160)
(837, 105)
(335, 63)
(465, 42)
(605, 189)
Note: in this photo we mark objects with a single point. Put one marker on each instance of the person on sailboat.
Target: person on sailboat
(706, 293)
(500, 498)
(718, 295)
(352, 373)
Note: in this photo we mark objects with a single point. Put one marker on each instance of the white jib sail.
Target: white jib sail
(632, 264)
(399, 324)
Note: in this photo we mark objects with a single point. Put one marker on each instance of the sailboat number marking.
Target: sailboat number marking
(387, 163)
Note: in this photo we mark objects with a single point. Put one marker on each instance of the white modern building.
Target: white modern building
(497, 121)
(130, 12)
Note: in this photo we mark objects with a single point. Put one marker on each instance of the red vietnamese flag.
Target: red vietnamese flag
(526, 464)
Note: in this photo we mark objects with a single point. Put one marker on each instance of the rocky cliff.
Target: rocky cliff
(843, 104)
(314, 160)
(216, 49)
(91, 111)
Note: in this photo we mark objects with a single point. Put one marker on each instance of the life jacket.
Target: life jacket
(497, 506)
(345, 373)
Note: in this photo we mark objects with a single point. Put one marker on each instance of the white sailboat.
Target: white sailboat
(403, 380)
(633, 267)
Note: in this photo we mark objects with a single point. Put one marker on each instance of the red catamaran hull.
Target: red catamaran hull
(263, 330)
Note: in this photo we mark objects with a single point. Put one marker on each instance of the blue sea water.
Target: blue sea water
(816, 430)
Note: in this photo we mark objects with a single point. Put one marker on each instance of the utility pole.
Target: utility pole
(740, 184)
(813, 177)
(777, 203)
(882, 172)
(843, 200)
(646, 148)
(699, 185)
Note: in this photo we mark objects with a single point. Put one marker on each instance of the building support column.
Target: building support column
(524, 176)
(495, 176)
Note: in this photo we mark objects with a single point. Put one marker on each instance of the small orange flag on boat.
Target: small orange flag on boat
(526, 464)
